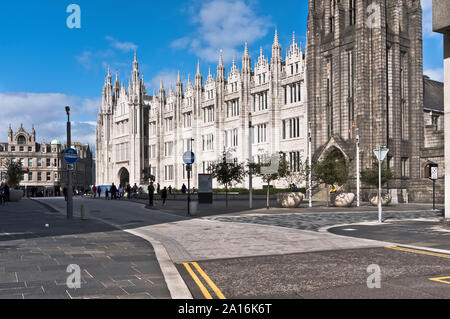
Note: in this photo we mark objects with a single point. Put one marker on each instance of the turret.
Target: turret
(10, 134)
(162, 92)
(246, 60)
(198, 77)
(276, 49)
(179, 85)
(220, 69)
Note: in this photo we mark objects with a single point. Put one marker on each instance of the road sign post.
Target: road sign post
(380, 154)
(189, 159)
(434, 177)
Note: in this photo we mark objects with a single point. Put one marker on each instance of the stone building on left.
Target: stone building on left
(46, 170)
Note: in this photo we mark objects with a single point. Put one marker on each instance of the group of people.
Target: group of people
(151, 193)
(4, 194)
(114, 192)
(293, 188)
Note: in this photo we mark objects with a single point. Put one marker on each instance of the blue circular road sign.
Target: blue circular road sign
(70, 156)
(189, 158)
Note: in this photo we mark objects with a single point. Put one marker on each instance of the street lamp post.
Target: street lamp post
(310, 163)
(69, 171)
(358, 186)
(250, 162)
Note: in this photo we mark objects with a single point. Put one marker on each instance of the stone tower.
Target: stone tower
(364, 71)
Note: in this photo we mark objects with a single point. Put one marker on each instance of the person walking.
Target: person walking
(65, 193)
(6, 192)
(158, 189)
(121, 192)
(94, 190)
(129, 191)
(164, 195)
(99, 191)
(151, 192)
(2, 194)
(106, 193)
(183, 189)
(113, 191)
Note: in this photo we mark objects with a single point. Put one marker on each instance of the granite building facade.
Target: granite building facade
(365, 71)
(46, 170)
(140, 133)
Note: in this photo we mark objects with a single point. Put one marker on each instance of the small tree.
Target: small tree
(370, 176)
(300, 175)
(14, 173)
(228, 172)
(271, 171)
(332, 170)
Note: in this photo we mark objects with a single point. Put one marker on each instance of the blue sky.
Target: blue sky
(45, 65)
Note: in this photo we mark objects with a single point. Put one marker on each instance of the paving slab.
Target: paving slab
(35, 258)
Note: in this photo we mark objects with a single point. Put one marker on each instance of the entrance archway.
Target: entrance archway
(124, 177)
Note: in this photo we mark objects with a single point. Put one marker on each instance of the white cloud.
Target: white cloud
(122, 46)
(46, 112)
(223, 24)
(435, 74)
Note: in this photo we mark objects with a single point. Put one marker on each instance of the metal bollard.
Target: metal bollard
(84, 212)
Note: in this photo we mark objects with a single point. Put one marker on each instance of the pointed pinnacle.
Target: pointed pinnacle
(221, 58)
(198, 67)
(276, 36)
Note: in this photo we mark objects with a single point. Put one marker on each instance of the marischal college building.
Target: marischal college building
(362, 69)
(137, 132)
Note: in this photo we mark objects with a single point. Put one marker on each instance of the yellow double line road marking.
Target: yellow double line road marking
(421, 252)
(444, 280)
(199, 283)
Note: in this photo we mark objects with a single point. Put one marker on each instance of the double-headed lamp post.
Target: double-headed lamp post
(69, 170)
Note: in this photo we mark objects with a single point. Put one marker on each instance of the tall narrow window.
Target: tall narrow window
(352, 12)
(330, 96)
(350, 92)
(403, 96)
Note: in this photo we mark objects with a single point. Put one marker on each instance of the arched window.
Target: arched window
(21, 139)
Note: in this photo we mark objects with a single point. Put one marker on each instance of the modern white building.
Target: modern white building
(138, 134)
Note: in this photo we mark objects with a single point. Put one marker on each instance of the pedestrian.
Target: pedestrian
(151, 191)
(99, 191)
(94, 190)
(129, 191)
(113, 191)
(2, 194)
(158, 188)
(183, 189)
(164, 195)
(6, 191)
(170, 189)
(106, 194)
(135, 189)
(65, 193)
(121, 192)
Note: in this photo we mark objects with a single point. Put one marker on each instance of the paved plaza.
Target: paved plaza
(34, 258)
(127, 250)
